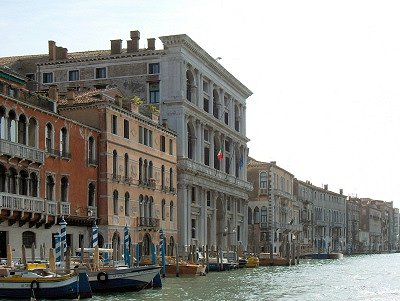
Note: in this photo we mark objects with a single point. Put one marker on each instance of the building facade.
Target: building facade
(273, 213)
(137, 169)
(324, 218)
(45, 173)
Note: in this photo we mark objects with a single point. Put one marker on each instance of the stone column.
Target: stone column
(222, 167)
(185, 138)
(232, 169)
(203, 217)
(211, 101)
(232, 113)
(243, 121)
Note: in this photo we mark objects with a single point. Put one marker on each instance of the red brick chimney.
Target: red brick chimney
(133, 44)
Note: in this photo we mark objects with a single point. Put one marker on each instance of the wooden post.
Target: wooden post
(207, 258)
(23, 250)
(177, 260)
(68, 260)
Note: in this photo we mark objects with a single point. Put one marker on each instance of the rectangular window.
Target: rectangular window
(207, 156)
(150, 138)
(114, 124)
(171, 147)
(208, 198)
(227, 118)
(141, 135)
(47, 77)
(30, 76)
(73, 75)
(206, 105)
(206, 136)
(101, 72)
(162, 143)
(193, 228)
(154, 90)
(154, 68)
(126, 129)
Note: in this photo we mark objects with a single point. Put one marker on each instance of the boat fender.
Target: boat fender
(34, 285)
(102, 277)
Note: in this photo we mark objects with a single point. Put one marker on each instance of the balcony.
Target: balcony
(65, 208)
(21, 151)
(281, 193)
(15, 202)
(148, 222)
(192, 166)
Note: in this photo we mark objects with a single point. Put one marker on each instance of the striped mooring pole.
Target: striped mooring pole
(58, 247)
(95, 235)
(63, 230)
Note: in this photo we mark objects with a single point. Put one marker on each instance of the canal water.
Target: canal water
(362, 277)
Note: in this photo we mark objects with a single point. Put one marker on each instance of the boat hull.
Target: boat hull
(126, 279)
(44, 288)
(186, 269)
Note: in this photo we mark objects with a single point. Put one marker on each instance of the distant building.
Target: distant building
(45, 171)
(273, 214)
(325, 227)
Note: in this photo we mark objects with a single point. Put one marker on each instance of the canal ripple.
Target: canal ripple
(364, 277)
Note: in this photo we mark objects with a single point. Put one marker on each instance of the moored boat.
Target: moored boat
(108, 278)
(276, 260)
(32, 284)
(184, 268)
(252, 262)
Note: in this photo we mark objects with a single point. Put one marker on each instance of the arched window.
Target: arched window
(237, 119)
(115, 202)
(64, 189)
(163, 210)
(22, 129)
(151, 205)
(92, 151)
(2, 178)
(150, 169)
(162, 177)
(91, 192)
(49, 138)
(64, 143)
(3, 125)
(114, 166)
(32, 129)
(12, 181)
(171, 179)
(126, 166)
(23, 182)
(171, 211)
(190, 142)
(127, 204)
(215, 104)
(256, 215)
(49, 188)
(263, 180)
(28, 239)
(141, 206)
(140, 171)
(34, 185)
(145, 166)
(12, 126)
(263, 215)
(249, 216)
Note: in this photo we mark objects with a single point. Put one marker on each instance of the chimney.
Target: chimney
(133, 44)
(53, 93)
(70, 96)
(165, 123)
(151, 44)
(52, 50)
(326, 186)
(116, 46)
(273, 162)
(341, 191)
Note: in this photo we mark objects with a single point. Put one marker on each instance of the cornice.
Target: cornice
(185, 41)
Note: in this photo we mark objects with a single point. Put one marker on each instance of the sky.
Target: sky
(324, 74)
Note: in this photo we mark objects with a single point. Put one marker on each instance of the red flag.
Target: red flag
(220, 154)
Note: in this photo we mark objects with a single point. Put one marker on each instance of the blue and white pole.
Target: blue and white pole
(162, 251)
(57, 237)
(95, 235)
(63, 230)
(127, 257)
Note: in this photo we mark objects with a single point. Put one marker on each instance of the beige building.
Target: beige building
(273, 213)
(137, 169)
